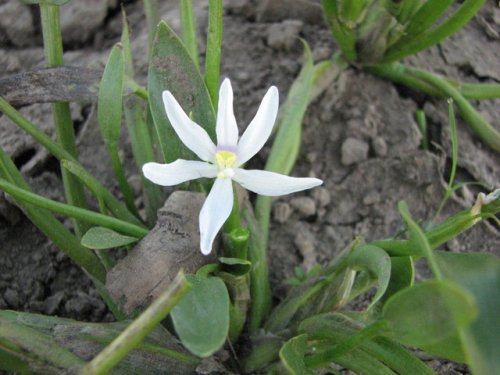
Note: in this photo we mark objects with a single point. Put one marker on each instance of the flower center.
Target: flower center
(225, 161)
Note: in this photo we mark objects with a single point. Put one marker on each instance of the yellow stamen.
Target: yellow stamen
(225, 159)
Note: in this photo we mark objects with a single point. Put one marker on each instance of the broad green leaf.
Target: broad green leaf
(201, 318)
(430, 316)
(109, 103)
(479, 273)
(376, 263)
(292, 356)
(402, 275)
(172, 69)
(100, 238)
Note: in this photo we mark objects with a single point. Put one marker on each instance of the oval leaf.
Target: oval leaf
(430, 315)
(100, 238)
(172, 69)
(201, 318)
(376, 263)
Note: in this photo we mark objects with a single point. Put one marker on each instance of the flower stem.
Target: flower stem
(53, 49)
(152, 19)
(189, 30)
(139, 328)
(213, 53)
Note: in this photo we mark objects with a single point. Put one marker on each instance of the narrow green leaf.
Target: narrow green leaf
(437, 34)
(109, 103)
(479, 273)
(419, 239)
(281, 159)
(172, 69)
(46, 2)
(139, 132)
(345, 37)
(424, 18)
(109, 117)
(188, 25)
(430, 316)
(374, 261)
(213, 53)
(100, 238)
(335, 328)
(201, 318)
(292, 356)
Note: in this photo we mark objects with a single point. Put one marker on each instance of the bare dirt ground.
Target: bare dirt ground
(359, 136)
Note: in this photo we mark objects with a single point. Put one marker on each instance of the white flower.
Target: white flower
(224, 160)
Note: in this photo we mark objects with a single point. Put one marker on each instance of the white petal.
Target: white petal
(215, 212)
(177, 172)
(191, 134)
(272, 184)
(227, 130)
(260, 128)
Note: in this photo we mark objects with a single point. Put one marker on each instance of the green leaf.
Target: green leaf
(292, 356)
(479, 273)
(201, 318)
(402, 276)
(376, 263)
(109, 103)
(100, 238)
(335, 328)
(430, 316)
(172, 69)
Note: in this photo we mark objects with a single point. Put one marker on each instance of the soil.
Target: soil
(359, 136)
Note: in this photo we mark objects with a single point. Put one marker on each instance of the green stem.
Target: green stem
(422, 125)
(213, 53)
(63, 123)
(328, 356)
(397, 72)
(477, 123)
(188, 25)
(139, 328)
(72, 211)
(233, 221)
(152, 19)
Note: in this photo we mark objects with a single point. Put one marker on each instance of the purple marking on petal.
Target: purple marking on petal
(229, 148)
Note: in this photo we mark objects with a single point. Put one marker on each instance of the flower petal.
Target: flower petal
(260, 128)
(215, 212)
(227, 130)
(178, 171)
(191, 134)
(272, 184)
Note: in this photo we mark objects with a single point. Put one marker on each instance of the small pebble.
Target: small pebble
(379, 146)
(306, 206)
(322, 197)
(305, 241)
(12, 298)
(284, 35)
(371, 197)
(281, 212)
(353, 151)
